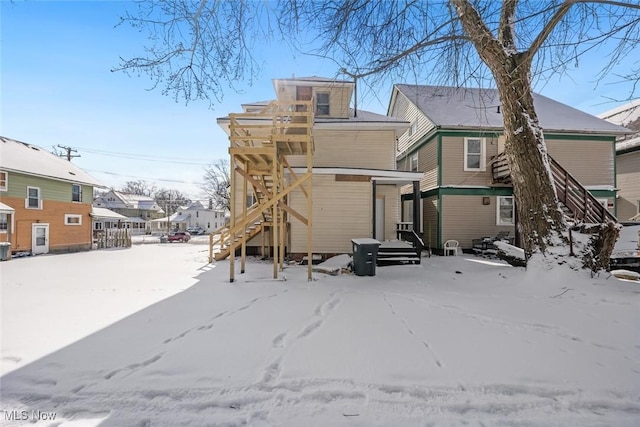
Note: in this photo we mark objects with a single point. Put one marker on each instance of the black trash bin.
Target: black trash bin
(365, 253)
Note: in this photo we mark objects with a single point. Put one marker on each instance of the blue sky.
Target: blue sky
(57, 88)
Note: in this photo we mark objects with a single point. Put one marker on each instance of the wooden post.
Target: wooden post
(243, 251)
(416, 207)
(274, 216)
(232, 219)
(210, 248)
(282, 217)
(373, 207)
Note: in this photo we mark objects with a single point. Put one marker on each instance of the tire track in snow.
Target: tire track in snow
(426, 345)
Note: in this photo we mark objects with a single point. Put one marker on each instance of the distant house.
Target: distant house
(45, 201)
(627, 159)
(195, 214)
(455, 137)
(139, 210)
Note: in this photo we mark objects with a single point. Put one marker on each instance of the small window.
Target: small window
(72, 219)
(4, 225)
(197, 214)
(97, 226)
(414, 163)
(76, 193)
(474, 154)
(33, 198)
(506, 213)
(413, 129)
(4, 179)
(322, 104)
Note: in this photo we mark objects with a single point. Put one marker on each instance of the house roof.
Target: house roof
(131, 201)
(29, 159)
(363, 120)
(6, 209)
(315, 79)
(473, 108)
(626, 115)
(104, 213)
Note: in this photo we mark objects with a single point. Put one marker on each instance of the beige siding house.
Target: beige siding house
(456, 134)
(627, 160)
(356, 185)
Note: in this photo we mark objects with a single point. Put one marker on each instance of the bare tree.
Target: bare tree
(139, 187)
(506, 44)
(216, 184)
(170, 199)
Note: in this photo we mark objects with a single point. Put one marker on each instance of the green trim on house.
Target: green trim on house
(439, 224)
(489, 191)
(439, 183)
(601, 194)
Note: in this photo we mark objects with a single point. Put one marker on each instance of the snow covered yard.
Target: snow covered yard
(153, 336)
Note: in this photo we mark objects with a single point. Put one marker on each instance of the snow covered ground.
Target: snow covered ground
(153, 336)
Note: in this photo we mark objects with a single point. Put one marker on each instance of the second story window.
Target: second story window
(33, 198)
(322, 104)
(413, 129)
(76, 193)
(474, 154)
(4, 181)
(414, 163)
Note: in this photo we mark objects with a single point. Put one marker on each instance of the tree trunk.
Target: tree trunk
(526, 152)
(536, 200)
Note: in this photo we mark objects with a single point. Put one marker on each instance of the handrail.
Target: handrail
(568, 189)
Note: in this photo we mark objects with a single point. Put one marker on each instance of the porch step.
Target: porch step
(399, 260)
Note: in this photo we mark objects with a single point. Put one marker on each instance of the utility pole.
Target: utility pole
(69, 150)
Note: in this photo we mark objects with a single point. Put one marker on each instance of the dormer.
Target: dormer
(331, 98)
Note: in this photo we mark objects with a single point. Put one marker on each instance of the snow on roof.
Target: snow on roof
(626, 145)
(452, 107)
(104, 213)
(29, 159)
(6, 209)
(315, 79)
(624, 114)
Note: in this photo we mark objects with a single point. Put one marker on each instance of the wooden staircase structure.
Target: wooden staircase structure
(259, 145)
(582, 205)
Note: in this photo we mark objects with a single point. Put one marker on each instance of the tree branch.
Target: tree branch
(548, 28)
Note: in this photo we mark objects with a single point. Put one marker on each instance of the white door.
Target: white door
(379, 219)
(40, 238)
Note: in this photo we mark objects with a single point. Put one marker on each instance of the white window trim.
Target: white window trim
(328, 104)
(69, 216)
(415, 155)
(513, 214)
(8, 224)
(413, 129)
(76, 185)
(26, 200)
(5, 187)
(483, 154)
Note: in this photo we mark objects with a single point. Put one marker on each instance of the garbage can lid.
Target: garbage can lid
(365, 241)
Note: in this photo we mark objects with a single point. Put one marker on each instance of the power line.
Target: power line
(176, 181)
(147, 157)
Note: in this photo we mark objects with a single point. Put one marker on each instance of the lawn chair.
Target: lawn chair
(451, 247)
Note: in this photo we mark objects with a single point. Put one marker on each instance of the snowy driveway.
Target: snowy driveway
(152, 336)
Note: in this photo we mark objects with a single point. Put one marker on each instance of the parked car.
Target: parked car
(179, 236)
(196, 231)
